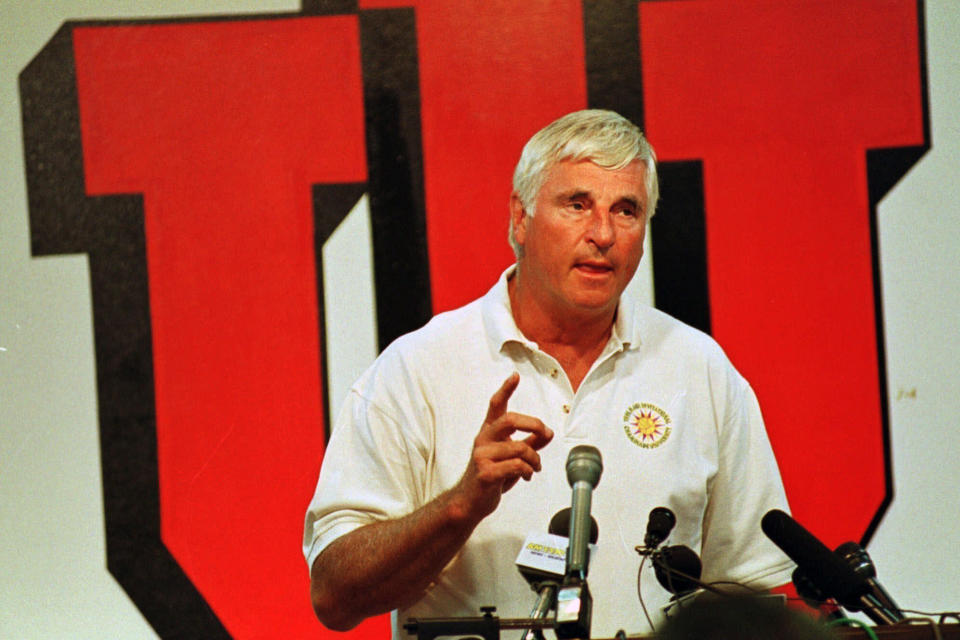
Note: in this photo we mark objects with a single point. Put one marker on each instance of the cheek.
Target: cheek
(552, 240)
(633, 246)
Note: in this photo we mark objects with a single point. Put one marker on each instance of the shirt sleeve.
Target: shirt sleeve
(747, 485)
(372, 470)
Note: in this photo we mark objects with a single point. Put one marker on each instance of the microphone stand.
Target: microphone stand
(574, 609)
(546, 601)
(487, 626)
(871, 606)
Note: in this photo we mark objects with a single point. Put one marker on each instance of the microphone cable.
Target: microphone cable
(706, 586)
(853, 622)
(643, 604)
(670, 572)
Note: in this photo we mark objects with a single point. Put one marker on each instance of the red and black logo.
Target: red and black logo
(201, 165)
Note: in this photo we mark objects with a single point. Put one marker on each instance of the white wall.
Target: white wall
(915, 548)
(53, 581)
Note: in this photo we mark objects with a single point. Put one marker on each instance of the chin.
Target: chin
(595, 303)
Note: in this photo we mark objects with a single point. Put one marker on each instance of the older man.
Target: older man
(417, 511)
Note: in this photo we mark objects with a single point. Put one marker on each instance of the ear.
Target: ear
(518, 219)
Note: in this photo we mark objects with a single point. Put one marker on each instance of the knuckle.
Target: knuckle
(522, 448)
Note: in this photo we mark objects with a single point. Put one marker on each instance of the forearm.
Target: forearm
(384, 565)
(388, 564)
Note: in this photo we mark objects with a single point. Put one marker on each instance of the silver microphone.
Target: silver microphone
(584, 466)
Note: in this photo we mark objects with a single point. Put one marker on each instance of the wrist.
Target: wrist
(459, 510)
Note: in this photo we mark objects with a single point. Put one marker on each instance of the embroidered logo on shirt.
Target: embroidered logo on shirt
(647, 425)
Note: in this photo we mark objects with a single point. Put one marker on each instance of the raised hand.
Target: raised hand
(498, 461)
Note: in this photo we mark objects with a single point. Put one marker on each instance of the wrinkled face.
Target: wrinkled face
(583, 245)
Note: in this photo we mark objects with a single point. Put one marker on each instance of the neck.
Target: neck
(574, 337)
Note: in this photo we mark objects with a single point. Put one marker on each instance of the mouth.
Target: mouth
(591, 267)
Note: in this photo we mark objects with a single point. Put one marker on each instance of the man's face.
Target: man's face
(584, 242)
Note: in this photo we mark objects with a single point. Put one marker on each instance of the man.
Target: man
(417, 511)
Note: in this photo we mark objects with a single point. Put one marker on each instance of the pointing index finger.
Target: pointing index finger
(498, 401)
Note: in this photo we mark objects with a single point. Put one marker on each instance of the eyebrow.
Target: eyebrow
(575, 194)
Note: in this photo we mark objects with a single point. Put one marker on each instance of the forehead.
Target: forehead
(588, 177)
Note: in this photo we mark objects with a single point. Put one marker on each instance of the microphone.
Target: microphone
(859, 560)
(678, 569)
(560, 525)
(815, 598)
(807, 590)
(584, 466)
(826, 570)
(542, 563)
(574, 602)
(659, 525)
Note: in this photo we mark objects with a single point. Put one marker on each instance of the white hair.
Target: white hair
(603, 137)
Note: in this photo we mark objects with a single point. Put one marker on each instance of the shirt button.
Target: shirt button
(553, 374)
(566, 408)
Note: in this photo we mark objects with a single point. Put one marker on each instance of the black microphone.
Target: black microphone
(859, 560)
(560, 525)
(807, 590)
(815, 598)
(584, 466)
(826, 570)
(574, 602)
(659, 526)
(678, 569)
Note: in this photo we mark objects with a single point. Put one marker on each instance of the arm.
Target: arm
(387, 564)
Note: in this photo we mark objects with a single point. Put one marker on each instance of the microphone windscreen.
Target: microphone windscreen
(827, 571)
(560, 525)
(659, 526)
(670, 562)
(584, 464)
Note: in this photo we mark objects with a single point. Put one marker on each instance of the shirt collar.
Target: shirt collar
(498, 315)
(626, 327)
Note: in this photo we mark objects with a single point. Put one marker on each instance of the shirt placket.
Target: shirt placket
(576, 410)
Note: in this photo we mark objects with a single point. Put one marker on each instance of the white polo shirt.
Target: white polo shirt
(676, 425)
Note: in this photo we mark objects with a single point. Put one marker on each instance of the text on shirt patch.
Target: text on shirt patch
(647, 425)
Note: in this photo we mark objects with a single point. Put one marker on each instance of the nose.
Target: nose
(601, 230)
